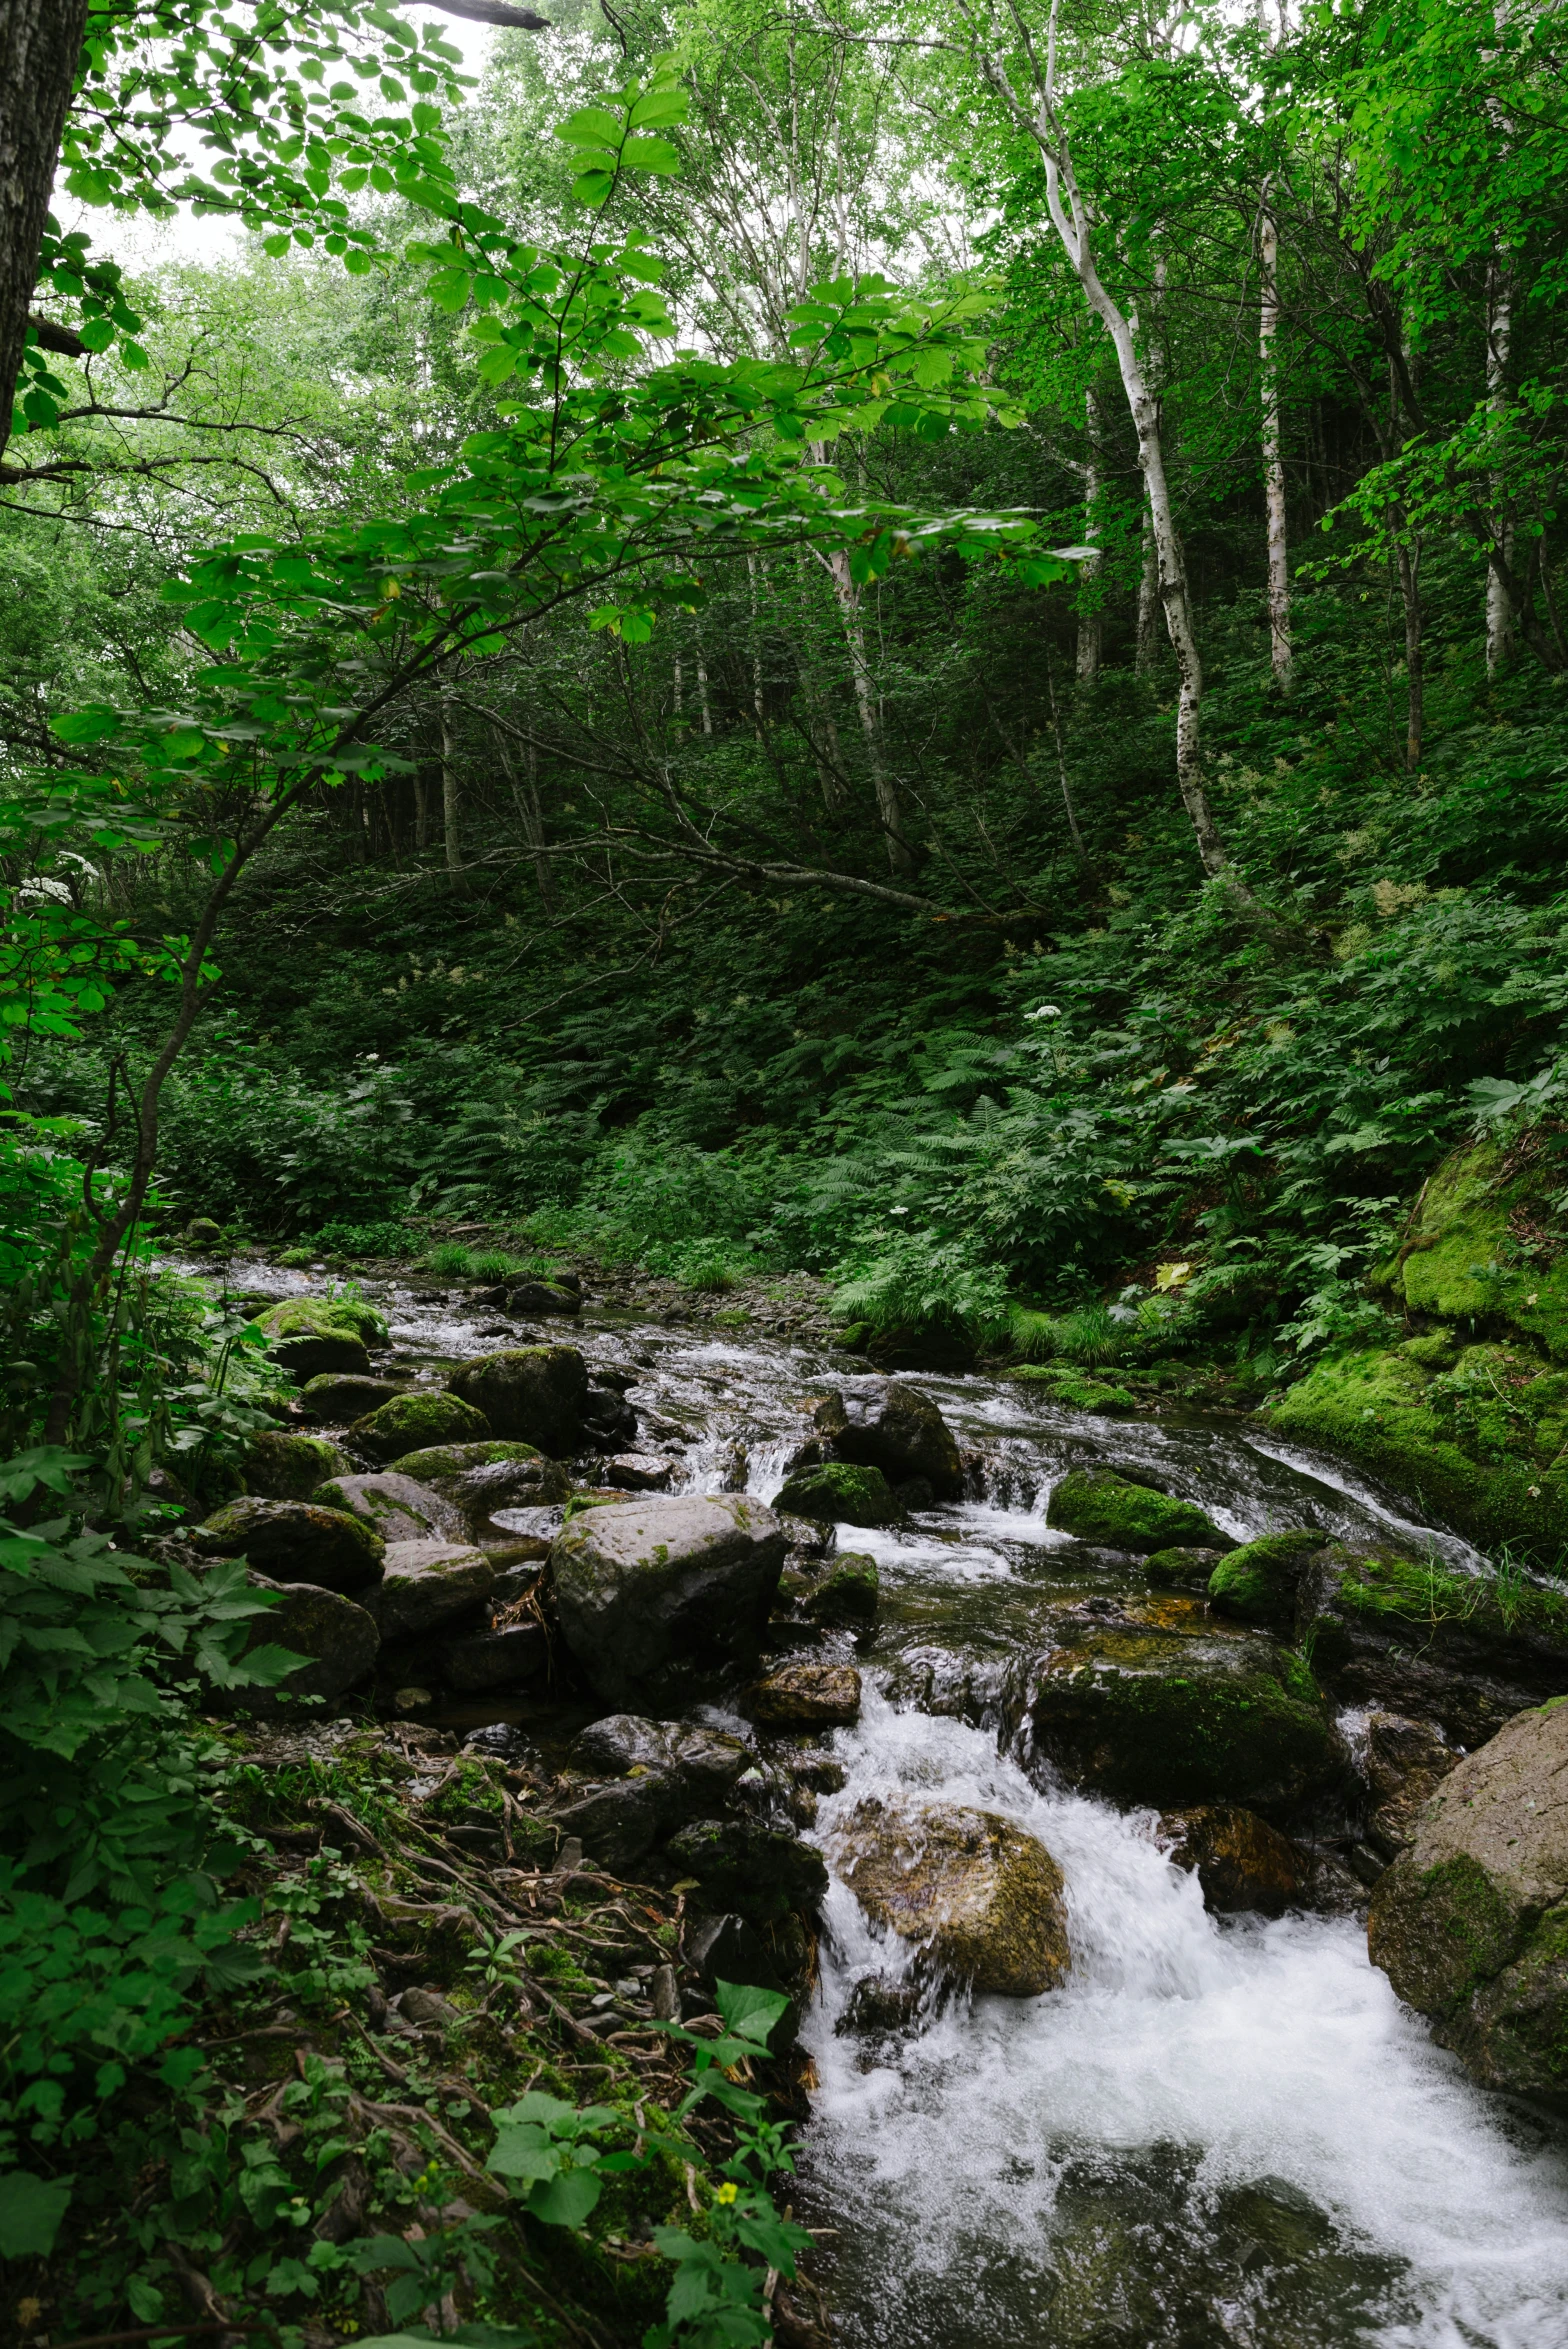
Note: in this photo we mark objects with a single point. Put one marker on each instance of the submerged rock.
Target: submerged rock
(337, 1638)
(842, 1494)
(394, 1506)
(1259, 1581)
(978, 1893)
(847, 1595)
(1181, 1569)
(656, 1594)
(1241, 1861)
(807, 1696)
(430, 1582)
(1177, 1716)
(536, 1393)
(295, 1540)
(412, 1421)
(1110, 1510)
(1471, 1924)
(881, 1423)
(290, 1467)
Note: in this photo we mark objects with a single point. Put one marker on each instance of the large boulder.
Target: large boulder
(807, 1696)
(842, 1494)
(336, 1637)
(978, 1894)
(1471, 1924)
(289, 1467)
(1116, 1513)
(430, 1582)
(309, 1335)
(881, 1423)
(333, 1399)
(758, 1872)
(496, 1659)
(1407, 1635)
(412, 1421)
(535, 1393)
(478, 1493)
(437, 1461)
(1176, 1715)
(1406, 1762)
(539, 1297)
(1241, 1861)
(656, 1594)
(1259, 1581)
(296, 1541)
(398, 1508)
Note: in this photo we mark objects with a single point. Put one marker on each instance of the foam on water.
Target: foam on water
(1273, 2051)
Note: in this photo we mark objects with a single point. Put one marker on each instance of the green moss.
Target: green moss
(452, 1459)
(1076, 1392)
(324, 1317)
(1180, 1569)
(843, 1494)
(1258, 1581)
(1418, 1595)
(412, 1422)
(1099, 1506)
(1461, 1262)
(848, 1595)
(290, 1467)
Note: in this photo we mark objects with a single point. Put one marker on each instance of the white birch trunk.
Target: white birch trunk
(1499, 338)
(1089, 619)
(1273, 454)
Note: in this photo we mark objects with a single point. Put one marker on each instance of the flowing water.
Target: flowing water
(1221, 2130)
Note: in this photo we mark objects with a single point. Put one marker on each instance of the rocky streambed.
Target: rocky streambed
(1051, 1760)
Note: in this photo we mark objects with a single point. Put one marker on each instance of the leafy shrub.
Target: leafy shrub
(366, 1239)
(915, 1282)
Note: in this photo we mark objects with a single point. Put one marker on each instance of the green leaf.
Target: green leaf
(748, 2012)
(567, 2200)
(660, 106)
(650, 155)
(591, 187)
(590, 126)
(31, 2210)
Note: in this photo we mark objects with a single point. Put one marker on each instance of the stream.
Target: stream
(1222, 2130)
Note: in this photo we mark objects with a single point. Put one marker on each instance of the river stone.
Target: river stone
(1241, 1861)
(653, 1593)
(807, 1696)
(411, 1421)
(1406, 1635)
(480, 1493)
(337, 1638)
(533, 1297)
(308, 1357)
(616, 1824)
(880, 1423)
(399, 1509)
(979, 1894)
(1471, 1924)
(496, 1659)
(335, 1400)
(295, 1540)
(847, 1595)
(841, 1493)
(430, 1582)
(1406, 1763)
(290, 1467)
(640, 1472)
(811, 1537)
(536, 1393)
(442, 1460)
(294, 1317)
(1259, 1582)
(758, 1872)
(1175, 1716)
(1116, 1513)
(1181, 1569)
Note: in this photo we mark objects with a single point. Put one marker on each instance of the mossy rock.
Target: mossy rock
(1181, 1569)
(535, 1394)
(759, 1872)
(1259, 1581)
(1460, 1262)
(397, 1507)
(312, 1317)
(290, 1467)
(1076, 1392)
(1175, 1717)
(333, 1398)
(842, 1493)
(846, 1596)
(1101, 1507)
(417, 1421)
(295, 1541)
(451, 1459)
(975, 1892)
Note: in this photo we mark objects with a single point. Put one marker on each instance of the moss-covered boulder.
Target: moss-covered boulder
(1259, 1581)
(535, 1394)
(658, 1595)
(295, 1541)
(807, 1696)
(1076, 1390)
(1409, 1635)
(882, 1423)
(335, 1636)
(1176, 1716)
(290, 1467)
(1462, 1260)
(332, 1399)
(978, 1895)
(1116, 1514)
(758, 1872)
(411, 1422)
(841, 1493)
(1242, 1863)
(847, 1595)
(310, 1335)
(1181, 1569)
(1471, 1924)
(440, 1460)
(426, 1583)
(399, 1509)
(486, 1496)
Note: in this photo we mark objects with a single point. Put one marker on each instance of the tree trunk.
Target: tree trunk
(40, 47)
(451, 792)
(1148, 643)
(1273, 456)
(530, 813)
(886, 789)
(702, 690)
(1073, 832)
(1409, 566)
(1499, 338)
(1089, 621)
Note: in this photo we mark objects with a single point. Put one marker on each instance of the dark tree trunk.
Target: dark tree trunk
(40, 45)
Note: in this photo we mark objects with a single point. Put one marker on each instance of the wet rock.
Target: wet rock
(535, 1393)
(1407, 1761)
(334, 1400)
(437, 1461)
(640, 1472)
(817, 1771)
(881, 1423)
(201, 1232)
(496, 1659)
(811, 1537)
(1075, 1391)
(290, 1467)
(847, 1597)
(396, 1507)
(1175, 1717)
(540, 1297)
(296, 1541)
(1259, 1582)
(976, 1892)
(807, 1696)
(706, 1761)
(1241, 1861)
(1181, 1569)
(309, 1357)
(337, 1638)
(618, 1824)
(842, 1494)
(430, 1582)
(1407, 1635)
(414, 1420)
(481, 1494)
(758, 1872)
(654, 1595)
(1119, 1513)
(878, 2004)
(309, 1335)
(1471, 1924)
(608, 1418)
